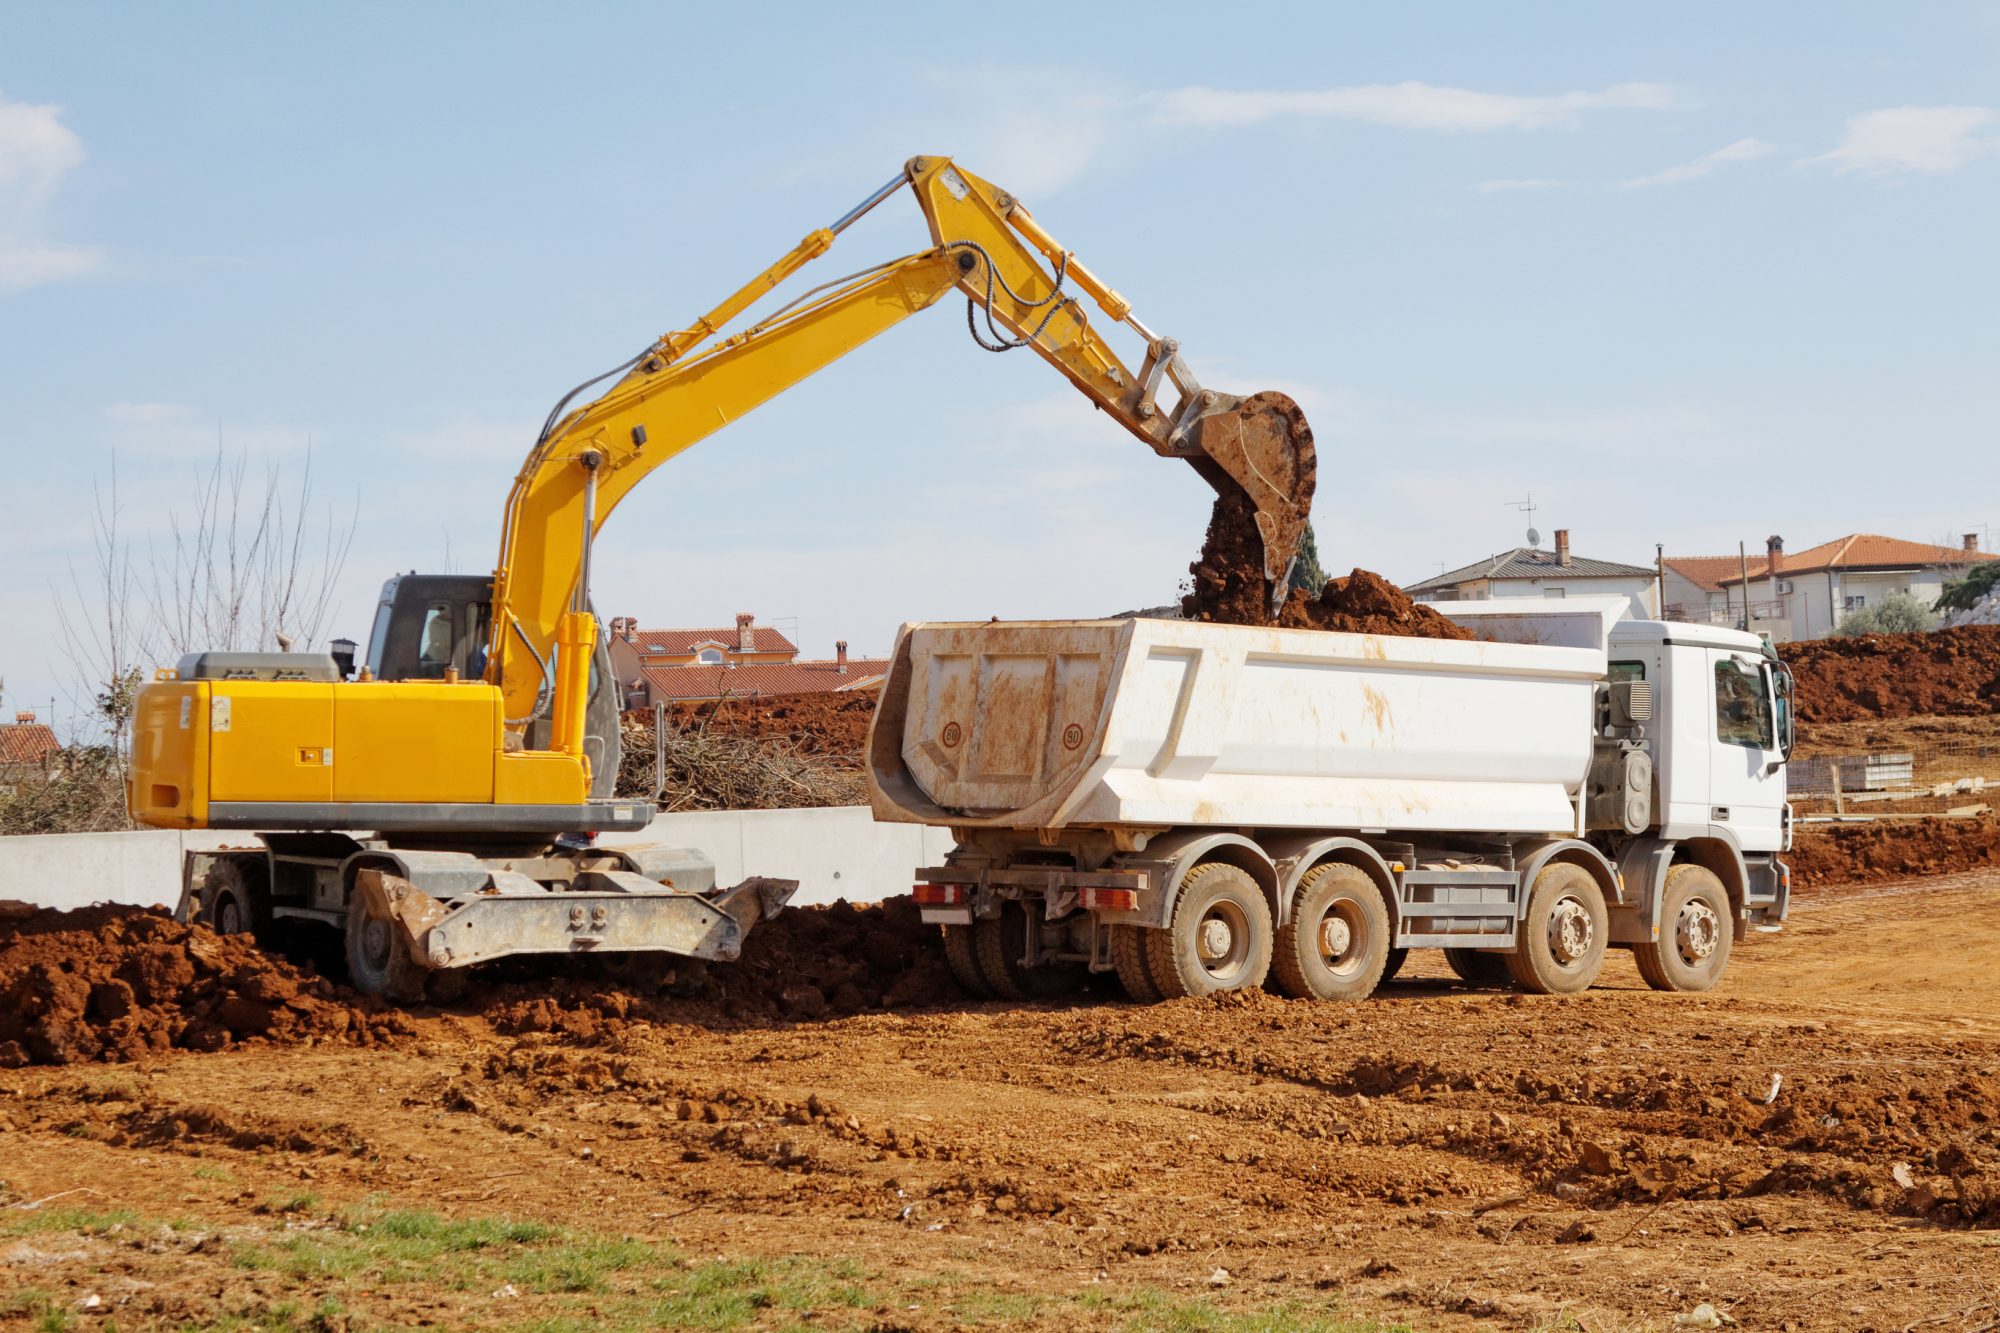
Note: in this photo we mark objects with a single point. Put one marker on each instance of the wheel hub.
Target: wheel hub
(1336, 937)
(1216, 938)
(1697, 932)
(1571, 931)
(228, 916)
(375, 941)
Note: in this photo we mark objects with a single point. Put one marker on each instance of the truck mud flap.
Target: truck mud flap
(616, 918)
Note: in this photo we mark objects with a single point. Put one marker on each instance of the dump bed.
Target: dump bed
(1048, 724)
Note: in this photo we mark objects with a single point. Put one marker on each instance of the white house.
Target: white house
(1529, 571)
(1811, 592)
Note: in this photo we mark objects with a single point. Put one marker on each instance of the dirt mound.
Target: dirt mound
(804, 964)
(832, 725)
(1947, 672)
(1227, 587)
(1861, 853)
(119, 983)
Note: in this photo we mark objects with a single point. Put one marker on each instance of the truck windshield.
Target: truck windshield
(1743, 713)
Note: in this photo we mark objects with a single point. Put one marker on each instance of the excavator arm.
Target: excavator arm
(687, 385)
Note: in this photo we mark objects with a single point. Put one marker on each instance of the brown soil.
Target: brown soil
(1227, 587)
(1442, 1156)
(1826, 854)
(1914, 734)
(1947, 672)
(117, 984)
(832, 725)
(121, 983)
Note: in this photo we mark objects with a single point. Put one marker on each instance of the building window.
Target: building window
(709, 657)
(1743, 706)
(1853, 603)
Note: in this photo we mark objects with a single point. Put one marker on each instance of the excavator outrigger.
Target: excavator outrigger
(472, 744)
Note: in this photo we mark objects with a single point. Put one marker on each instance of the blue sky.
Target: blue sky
(1691, 275)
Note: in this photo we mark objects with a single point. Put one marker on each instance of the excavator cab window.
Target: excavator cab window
(434, 657)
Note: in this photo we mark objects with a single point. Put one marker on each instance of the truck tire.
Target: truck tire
(998, 942)
(1563, 935)
(1336, 942)
(232, 898)
(1475, 968)
(1128, 959)
(375, 962)
(963, 960)
(1219, 938)
(1392, 963)
(1695, 933)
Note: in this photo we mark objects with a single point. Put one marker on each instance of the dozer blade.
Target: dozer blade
(1261, 446)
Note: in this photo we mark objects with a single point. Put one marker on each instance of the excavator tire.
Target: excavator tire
(376, 964)
(1128, 959)
(232, 898)
(962, 958)
(998, 942)
(1478, 969)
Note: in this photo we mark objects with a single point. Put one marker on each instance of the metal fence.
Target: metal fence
(1941, 777)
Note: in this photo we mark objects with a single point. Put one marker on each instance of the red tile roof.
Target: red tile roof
(1707, 571)
(1865, 550)
(683, 642)
(753, 678)
(26, 742)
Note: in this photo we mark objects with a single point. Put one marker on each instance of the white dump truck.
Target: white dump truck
(1204, 807)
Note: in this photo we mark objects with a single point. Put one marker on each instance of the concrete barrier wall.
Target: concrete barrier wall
(834, 853)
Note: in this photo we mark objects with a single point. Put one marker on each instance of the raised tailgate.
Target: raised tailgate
(1001, 716)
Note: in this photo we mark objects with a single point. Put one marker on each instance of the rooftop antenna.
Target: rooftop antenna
(1528, 506)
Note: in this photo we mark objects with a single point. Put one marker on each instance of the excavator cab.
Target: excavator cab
(435, 627)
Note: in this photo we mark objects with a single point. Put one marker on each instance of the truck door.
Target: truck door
(1746, 763)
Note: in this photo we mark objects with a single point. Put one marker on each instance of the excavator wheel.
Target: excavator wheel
(962, 958)
(1128, 959)
(1479, 969)
(376, 963)
(1000, 942)
(232, 900)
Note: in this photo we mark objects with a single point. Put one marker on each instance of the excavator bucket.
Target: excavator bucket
(1261, 446)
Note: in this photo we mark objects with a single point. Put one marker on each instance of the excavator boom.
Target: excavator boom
(691, 382)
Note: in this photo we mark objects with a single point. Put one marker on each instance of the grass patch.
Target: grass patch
(91, 1222)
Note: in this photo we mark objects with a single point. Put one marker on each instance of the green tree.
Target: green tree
(1898, 613)
(1964, 594)
(1307, 576)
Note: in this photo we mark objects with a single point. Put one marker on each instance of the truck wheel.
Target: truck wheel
(963, 960)
(1478, 969)
(1563, 935)
(1695, 933)
(1336, 943)
(231, 903)
(1128, 959)
(1219, 939)
(1393, 963)
(375, 962)
(999, 942)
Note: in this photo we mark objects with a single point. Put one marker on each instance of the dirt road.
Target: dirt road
(1434, 1158)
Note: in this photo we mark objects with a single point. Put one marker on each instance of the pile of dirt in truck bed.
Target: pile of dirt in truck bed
(834, 725)
(1227, 587)
(1825, 854)
(1947, 672)
(120, 983)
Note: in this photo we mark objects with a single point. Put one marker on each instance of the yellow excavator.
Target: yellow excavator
(437, 802)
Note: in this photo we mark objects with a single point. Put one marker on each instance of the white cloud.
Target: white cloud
(1912, 138)
(36, 151)
(1743, 150)
(1410, 106)
(1503, 186)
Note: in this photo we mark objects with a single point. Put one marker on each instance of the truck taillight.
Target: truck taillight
(1111, 900)
(941, 895)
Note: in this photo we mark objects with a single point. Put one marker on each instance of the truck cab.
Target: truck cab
(1721, 730)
